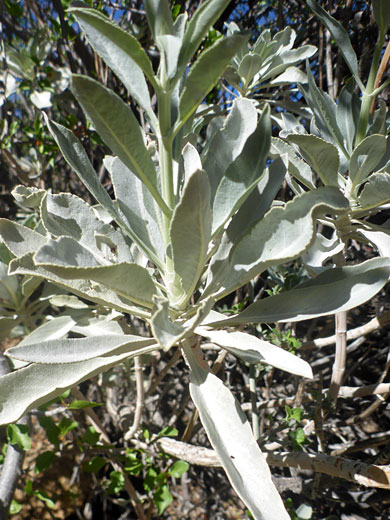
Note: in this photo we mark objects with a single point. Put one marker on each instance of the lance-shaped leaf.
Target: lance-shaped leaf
(286, 58)
(290, 75)
(50, 330)
(296, 167)
(282, 235)
(138, 207)
(324, 110)
(334, 290)
(243, 174)
(199, 25)
(84, 288)
(206, 71)
(365, 157)
(76, 157)
(254, 350)
(382, 14)
(122, 52)
(159, 17)
(347, 113)
(191, 231)
(322, 156)
(74, 350)
(169, 332)
(119, 129)
(37, 384)
(376, 191)
(20, 240)
(342, 39)
(231, 436)
(377, 235)
(228, 142)
(68, 259)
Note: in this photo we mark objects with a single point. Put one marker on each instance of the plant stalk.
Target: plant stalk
(255, 411)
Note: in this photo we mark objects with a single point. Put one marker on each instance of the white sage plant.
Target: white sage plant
(187, 226)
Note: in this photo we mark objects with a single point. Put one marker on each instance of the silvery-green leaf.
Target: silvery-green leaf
(131, 281)
(206, 71)
(171, 46)
(83, 288)
(334, 290)
(342, 39)
(365, 157)
(249, 66)
(159, 17)
(76, 157)
(282, 235)
(119, 128)
(231, 436)
(243, 174)
(320, 251)
(122, 52)
(199, 25)
(138, 208)
(65, 251)
(322, 156)
(376, 191)
(254, 350)
(382, 14)
(377, 235)
(74, 350)
(191, 161)
(20, 240)
(227, 143)
(324, 110)
(28, 196)
(298, 168)
(92, 325)
(68, 215)
(9, 284)
(285, 59)
(378, 124)
(37, 384)
(190, 231)
(252, 210)
(347, 114)
(56, 328)
(290, 75)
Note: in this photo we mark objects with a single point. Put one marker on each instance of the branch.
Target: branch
(369, 475)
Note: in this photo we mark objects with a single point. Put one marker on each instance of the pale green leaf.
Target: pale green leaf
(119, 128)
(377, 235)
(206, 14)
(243, 174)
(83, 288)
(334, 290)
(122, 52)
(20, 240)
(228, 142)
(37, 384)
(73, 350)
(290, 75)
(206, 71)
(231, 436)
(376, 191)
(254, 350)
(342, 39)
(191, 231)
(322, 156)
(159, 17)
(296, 167)
(365, 157)
(282, 235)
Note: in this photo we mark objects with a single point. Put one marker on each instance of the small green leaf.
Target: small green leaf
(162, 498)
(178, 468)
(18, 435)
(150, 479)
(117, 483)
(44, 461)
(365, 157)
(94, 465)
(67, 425)
(168, 431)
(51, 429)
(15, 507)
(376, 191)
(79, 404)
(91, 436)
(42, 495)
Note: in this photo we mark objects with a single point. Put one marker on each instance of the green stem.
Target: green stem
(370, 87)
